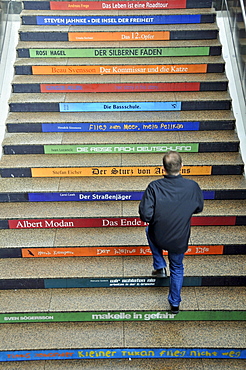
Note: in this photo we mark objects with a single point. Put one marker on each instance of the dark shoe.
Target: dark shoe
(175, 309)
(160, 272)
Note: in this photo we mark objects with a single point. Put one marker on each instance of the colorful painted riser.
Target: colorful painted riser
(119, 69)
(114, 196)
(118, 171)
(121, 127)
(116, 251)
(119, 5)
(122, 353)
(173, 106)
(120, 87)
(121, 148)
(116, 316)
(68, 223)
(113, 20)
(120, 52)
(173, 35)
(119, 282)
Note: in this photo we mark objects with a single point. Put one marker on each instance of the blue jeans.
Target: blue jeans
(176, 268)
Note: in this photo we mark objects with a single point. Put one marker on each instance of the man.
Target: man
(167, 205)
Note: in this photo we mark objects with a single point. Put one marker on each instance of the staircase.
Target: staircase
(101, 91)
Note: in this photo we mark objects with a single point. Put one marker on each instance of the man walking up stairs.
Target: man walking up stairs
(101, 91)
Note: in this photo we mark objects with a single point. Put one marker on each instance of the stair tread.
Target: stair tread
(208, 235)
(56, 117)
(117, 61)
(115, 97)
(24, 268)
(113, 209)
(194, 298)
(70, 160)
(123, 335)
(117, 138)
(7, 185)
(116, 12)
(30, 79)
(77, 45)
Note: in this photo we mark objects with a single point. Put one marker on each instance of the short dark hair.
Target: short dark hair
(172, 162)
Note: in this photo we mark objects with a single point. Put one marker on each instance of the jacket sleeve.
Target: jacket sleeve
(200, 201)
(147, 205)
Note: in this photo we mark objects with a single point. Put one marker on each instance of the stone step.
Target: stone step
(129, 338)
(114, 102)
(119, 36)
(114, 209)
(57, 300)
(115, 251)
(121, 122)
(141, 143)
(213, 44)
(174, 49)
(47, 5)
(119, 87)
(114, 19)
(121, 358)
(25, 66)
(121, 165)
(75, 190)
(117, 272)
(228, 236)
(34, 80)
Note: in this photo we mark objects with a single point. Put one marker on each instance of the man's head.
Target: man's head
(172, 163)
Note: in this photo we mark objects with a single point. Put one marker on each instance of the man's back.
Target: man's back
(168, 205)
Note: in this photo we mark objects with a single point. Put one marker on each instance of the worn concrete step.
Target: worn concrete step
(96, 210)
(115, 251)
(118, 165)
(114, 102)
(36, 270)
(117, 272)
(89, 190)
(121, 122)
(136, 143)
(122, 359)
(182, 32)
(153, 49)
(30, 80)
(135, 336)
(228, 236)
(58, 300)
(214, 44)
(119, 66)
(64, 36)
(220, 185)
(58, 84)
(128, 18)
(47, 5)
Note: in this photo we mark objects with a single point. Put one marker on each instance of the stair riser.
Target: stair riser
(107, 196)
(116, 316)
(120, 106)
(120, 52)
(93, 5)
(64, 36)
(121, 148)
(118, 171)
(119, 69)
(117, 251)
(68, 223)
(49, 283)
(121, 127)
(117, 20)
(120, 88)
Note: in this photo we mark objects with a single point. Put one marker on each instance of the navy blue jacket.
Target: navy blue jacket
(167, 205)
